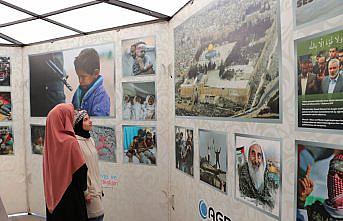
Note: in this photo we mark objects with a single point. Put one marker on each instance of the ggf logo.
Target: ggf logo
(210, 214)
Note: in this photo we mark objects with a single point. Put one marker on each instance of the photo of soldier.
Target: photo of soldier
(6, 140)
(184, 150)
(5, 71)
(213, 158)
(105, 143)
(320, 89)
(139, 101)
(82, 76)
(319, 182)
(5, 106)
(37, 139)
(258, 173)
(140, 145)
(139, 56)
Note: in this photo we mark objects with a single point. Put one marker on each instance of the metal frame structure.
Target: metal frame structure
(15, 43)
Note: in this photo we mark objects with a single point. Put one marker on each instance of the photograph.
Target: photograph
(5, 106)
(319, 181)
(139, 56)
(140, 145)
(258, 173)
(6, 140)
(184, 149)
(105, 142)
(320, 81)
(139, 101)
(37, 138)
(82, 76)
(213, 158)
(316, 11)
(220, 74)
(5, 71)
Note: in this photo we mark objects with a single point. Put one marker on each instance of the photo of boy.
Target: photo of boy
(5, 69)
(37, 139)
(91, 94)
(6, 141)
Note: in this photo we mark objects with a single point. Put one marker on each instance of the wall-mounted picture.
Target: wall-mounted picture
(184, 149)
(140, 145)
(105, 142)
(258, 173)
(219, 73)
(5, 106)
(213, 158)
(139, 101)
(5, 71)
(320, 81)
(83, 76)
(139, 56)
(6, 140)
(37, 138)
(319, 181)
(308, 11)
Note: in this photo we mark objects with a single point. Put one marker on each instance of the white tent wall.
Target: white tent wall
(13, 190)
(188, 191)
(141, 192)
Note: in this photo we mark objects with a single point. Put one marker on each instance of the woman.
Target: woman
(64, 168)
(93, 194)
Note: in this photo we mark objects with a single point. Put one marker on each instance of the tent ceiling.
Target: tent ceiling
(24, 22)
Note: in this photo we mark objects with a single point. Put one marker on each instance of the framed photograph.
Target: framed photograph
(37, 138)
(184, 150)
(319, 181)
(139, 101)
(258, 173)
(105, 142)
(5, 71)
(6, 140)
(213, 158)
(319, 85)
(140, 145)
(219, 73)
(83, 76)
(5, 106)
(139, 56)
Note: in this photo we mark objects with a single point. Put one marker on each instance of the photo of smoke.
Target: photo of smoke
(184, 150)
(139, 56)
(139, 101)
(319, 181)
(219, 73)
(5, 106)
(105, 143)
(6, 140)
(82, 76)
(140, 145)
(5, 71)
(213, 158)
(37, 138)
(258, 173)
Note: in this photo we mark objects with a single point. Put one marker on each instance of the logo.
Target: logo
(211, 214)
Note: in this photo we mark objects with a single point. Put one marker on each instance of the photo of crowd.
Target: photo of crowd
(140, 145)
(139, 56)
(6, 140)
(319, 194)
(139, 101)
(37, 138)
(258, 173)
(5, 71)
(213, 158)
(184, 150)
(105, 142)
(82, 76)
(5, 106)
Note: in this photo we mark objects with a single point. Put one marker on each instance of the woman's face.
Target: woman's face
(87, 123)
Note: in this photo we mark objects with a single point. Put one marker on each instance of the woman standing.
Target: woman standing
(64, 168)
(93, 194)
